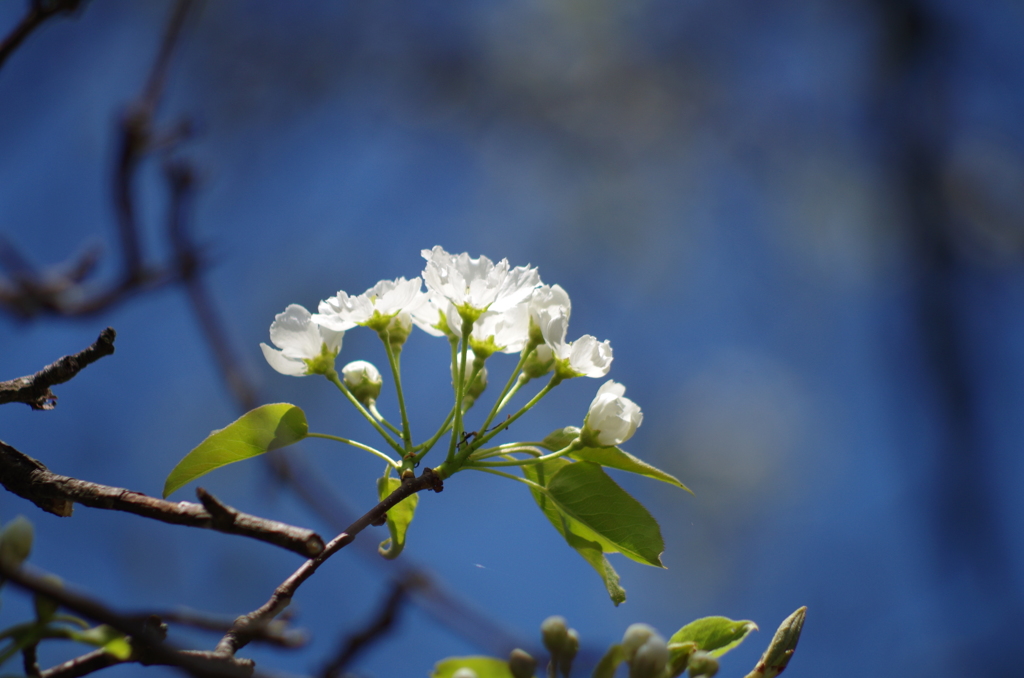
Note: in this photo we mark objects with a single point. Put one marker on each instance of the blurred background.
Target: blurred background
(800, 224)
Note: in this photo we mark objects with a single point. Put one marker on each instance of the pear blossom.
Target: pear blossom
(546, 303)
(431, 316)
(585, 357)
(505, 332)
(612, 418)
(374, 308)
(476, 285)
(303, 347)
(363, 379)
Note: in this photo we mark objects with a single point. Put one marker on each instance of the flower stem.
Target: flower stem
(372, 407)
(393, 360)
(512, 381)
(460, 388)
(574, 445)
(353, 443)
(332, 376)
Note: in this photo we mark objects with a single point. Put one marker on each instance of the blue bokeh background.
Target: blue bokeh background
(800, 224)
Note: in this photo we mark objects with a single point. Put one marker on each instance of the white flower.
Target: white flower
(612, 418)
(432, 316)
(363, 380)
(373, 308)
(303, 347)
(507, 331)
(547, 303)
(476, 285)
(585, 357)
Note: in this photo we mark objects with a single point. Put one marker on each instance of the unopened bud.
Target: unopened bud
(650, 659)
(554, 633)
(635, 636)
(538, 363)
(363, 380)
(465, 672)
(16, 542)
(776, 658)
(703, 664)
(521, 664)
(569, 650)
(679, 657)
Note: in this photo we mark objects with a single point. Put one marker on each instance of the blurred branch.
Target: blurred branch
(374, 631)
(274, 633)
(241, 633)
(27, 292)
(147, 637)
(56, 494)
(38, 12)
(35, 391)
(82, 665)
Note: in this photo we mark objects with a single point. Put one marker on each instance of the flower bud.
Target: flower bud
(612, 419)
(650, 659)
(703, 664)
(635, 636)
(464, 672)
(539, 363)
(16, 542)
(363, 380)
(521, 664)
(776, 658)
(555, 634)
(569, 650)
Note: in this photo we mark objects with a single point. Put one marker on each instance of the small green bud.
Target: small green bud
(569, 650)
(635, 636)
(363, 380)
(540, 362)
(16, 541)
(703, 664)
(554, 633)
(521, 664)
(776, 658)
(465, 672)
(650, 659)
(679, 657)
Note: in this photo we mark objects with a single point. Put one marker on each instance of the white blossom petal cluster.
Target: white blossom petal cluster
(612, 418)
(300, 342)
(376, 306)
(510, 308)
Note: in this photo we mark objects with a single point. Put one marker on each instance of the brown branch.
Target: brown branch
(35, 391)
(83, 665)
(274, 633)
(241, 633)
(374, 631)
(148, 645)
(56, 494)
(38, 12)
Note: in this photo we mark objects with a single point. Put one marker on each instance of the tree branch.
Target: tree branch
(241, 633)
(148, 645)
(56, 494)
(35, 391)
(38, 12)
(374, 631)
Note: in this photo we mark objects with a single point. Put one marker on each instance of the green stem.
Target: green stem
(425, 447)
(332, 376)
(505, 450)
(527, 462)
(533, 485)
(393, 360)
(485, 436)
(372, 407)
(353, 443)
(512, 381)
(460, 389)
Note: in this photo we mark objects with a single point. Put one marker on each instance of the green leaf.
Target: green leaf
(602, 511)
(714, 635)
(266, 428)
(559, 438)
(485, 667)
(399, 517)
(609, 662)
(591, 551)
(613, 457)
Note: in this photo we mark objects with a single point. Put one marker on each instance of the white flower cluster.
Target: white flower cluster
(509, 308)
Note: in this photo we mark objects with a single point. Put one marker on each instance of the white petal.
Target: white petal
(295, 333)
(279, 362)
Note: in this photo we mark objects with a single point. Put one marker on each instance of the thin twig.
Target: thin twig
(372, 632)
(275, 633)
(240, 635)
(38, 12)
(56, 494)
(35, 391)
(83, 665)
(148, 645)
